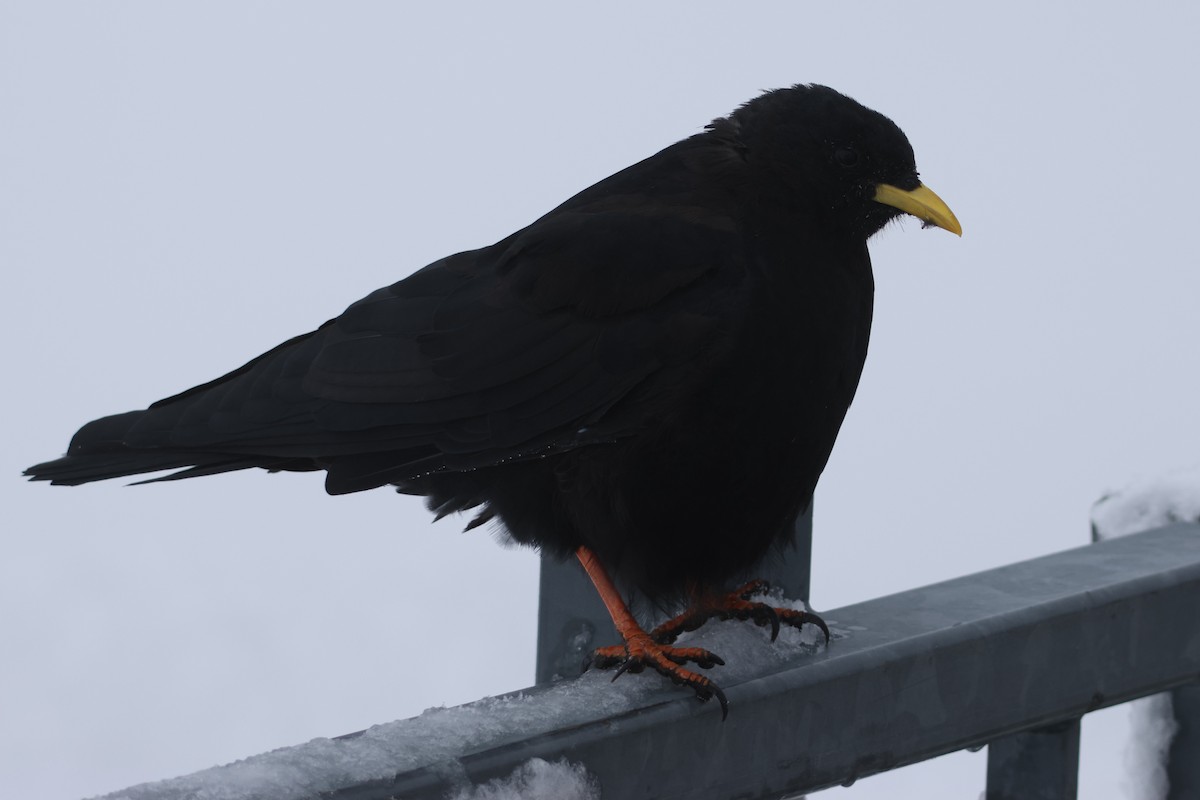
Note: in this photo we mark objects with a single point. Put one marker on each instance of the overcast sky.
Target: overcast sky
(182, 186)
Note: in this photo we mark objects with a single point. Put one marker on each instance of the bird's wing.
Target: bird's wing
(501, 351)
(540, 342)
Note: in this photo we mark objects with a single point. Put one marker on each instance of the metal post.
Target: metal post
(572, 621)
(1040, 764)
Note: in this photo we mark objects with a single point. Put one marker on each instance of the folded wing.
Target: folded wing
(539, 343)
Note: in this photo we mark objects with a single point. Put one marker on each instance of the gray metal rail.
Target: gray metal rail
(1012, 656)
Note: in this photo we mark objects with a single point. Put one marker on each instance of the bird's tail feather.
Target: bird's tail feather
(99, 452)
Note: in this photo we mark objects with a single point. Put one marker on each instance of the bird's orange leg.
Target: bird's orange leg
(640, 649)
(736, 605)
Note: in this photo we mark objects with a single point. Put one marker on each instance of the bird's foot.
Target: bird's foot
(641, 650)
(737, 605)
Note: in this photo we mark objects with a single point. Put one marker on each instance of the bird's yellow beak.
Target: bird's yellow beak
(922, 203)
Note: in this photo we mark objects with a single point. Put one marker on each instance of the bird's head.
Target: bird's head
(848, 166)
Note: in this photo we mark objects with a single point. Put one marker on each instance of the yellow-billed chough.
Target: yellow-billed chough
(651, 376)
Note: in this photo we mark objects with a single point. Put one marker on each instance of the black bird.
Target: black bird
(651, 376)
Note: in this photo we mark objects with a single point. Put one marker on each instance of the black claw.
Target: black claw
(812, 619)
(601, 662)
(720, 695)
(797, 619)
(820, 623)
(708, 692)
(625, 665)
(773, 618)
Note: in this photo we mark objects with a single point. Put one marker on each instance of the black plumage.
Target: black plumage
(655, 370)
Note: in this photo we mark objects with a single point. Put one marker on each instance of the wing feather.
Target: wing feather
(532, 344)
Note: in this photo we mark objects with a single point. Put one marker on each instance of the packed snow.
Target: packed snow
(537, 779)
(438, 737)
(1144, 505)
(1148, 503)
(1152, 727)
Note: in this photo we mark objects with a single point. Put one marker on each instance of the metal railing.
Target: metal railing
(1012, 658)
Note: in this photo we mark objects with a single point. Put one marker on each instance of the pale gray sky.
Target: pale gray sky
(184, 186)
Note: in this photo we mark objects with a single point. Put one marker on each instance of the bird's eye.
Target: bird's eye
(845, 156)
